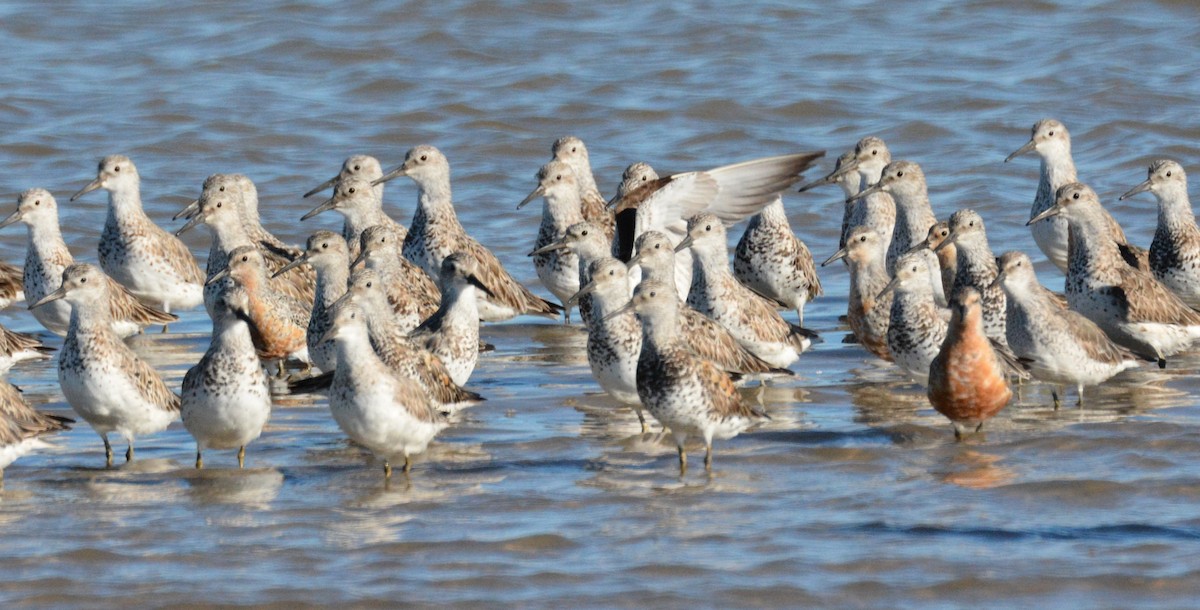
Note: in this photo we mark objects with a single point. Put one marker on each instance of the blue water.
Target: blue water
(854, 495)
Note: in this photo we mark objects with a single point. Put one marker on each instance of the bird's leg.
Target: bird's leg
(282, 369)
(682, 461)
(242, 456)
(199, 459)
(129, 452)
(1054, 394)
(1080, 401)
(108, 452)
(387, 471)
(642, 420)
(407, 464)
(708, 457)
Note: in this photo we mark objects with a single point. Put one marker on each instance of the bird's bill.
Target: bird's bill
(886, 289)
(1141, 188)
(396, 173)
(1047, 213)
(685, 244)
(589, 288)
(534, 194)
(320, 187)
(1020, 151)
(548, 248)
(91, 186)
(922, 245)
(193, 221)
(830, 178)
(329, 204)
(360, 259)
(836, 255)
(628, 307)
(478, 283)
(12, 218)
(53, 296)
(633, 262)
(296, 262)
(221, 275)
(870, 190)
(188, 211)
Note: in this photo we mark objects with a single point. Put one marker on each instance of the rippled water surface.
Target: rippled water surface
(855, 494)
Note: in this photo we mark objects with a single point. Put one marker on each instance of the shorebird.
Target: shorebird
(1175, 251)
(225, 400)
(977, 269)
(1058, 345)
(47, 256)
(731, 193)
(328, 255)
(688, 395)
(362, 167)
(12, 286)
(398, 351)
(1052, 143)
(436, 234)
(855, 171)
(1128, 304)
(947, 258)
(21, 426)
(412, 294)
(849, 182)
(585, 242)
(570, 150)
(102, 379)
(614, 342)
(968, 380)
(905, 182)
(633, 178)
(916, 323)
(707, 338)
(277, 321)
(356, 200)
(773, 262)
(558, 268)
(153, 264)
(248, 211)
(388, 415)
(220, 208)
(18, 347)
(715, 293)
(869, 305)
(452, 333)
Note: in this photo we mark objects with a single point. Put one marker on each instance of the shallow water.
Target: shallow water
(855, 494)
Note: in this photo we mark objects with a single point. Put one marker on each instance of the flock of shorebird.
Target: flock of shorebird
(390, 315)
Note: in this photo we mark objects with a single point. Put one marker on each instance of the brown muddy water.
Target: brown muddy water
(855, 494)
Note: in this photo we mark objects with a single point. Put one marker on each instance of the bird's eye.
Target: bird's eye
(324, 245)
(83, 280)
(971, 224)
(370, 284)
(356, 168)
(353, 316)
(352, 189)
(218, 204)
(707, 227)
(584, 232)
(657, 246)
(611, 272)
(862, 238)
(222, 189)
(645, 178)
(1019, 263)
(1051, 133)
(653, 293)
(424, 157)
(1075, 196)
(245, 259)
(37, 202)
(914, 269)
(117, 168)
(572, 149)
(899, 174)
(874, 152)
(1168, 174)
